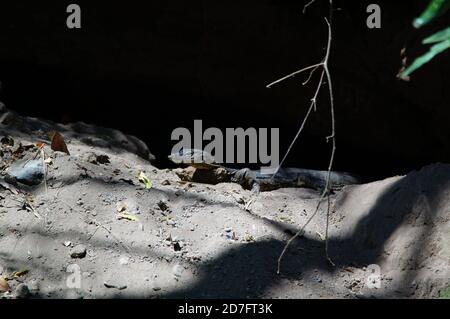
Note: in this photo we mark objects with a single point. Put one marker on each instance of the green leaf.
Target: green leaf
(438, 36)
(144, 179)
(427, 57)
(434, 9)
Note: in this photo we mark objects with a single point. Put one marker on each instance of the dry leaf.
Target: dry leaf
(249, 238)
(321, 236)
(58, 143)
(20, 273)
(121, 207)
(127, 217)
(4, 287)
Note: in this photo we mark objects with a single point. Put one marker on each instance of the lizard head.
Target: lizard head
(192, 156)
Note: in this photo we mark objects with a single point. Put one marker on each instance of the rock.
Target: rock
(94, 158)
(21, 291)
(171, 222)
(194, 256)
(28, 172)
(4, 286)
(162, 205)
(317, 279)
(79, 251)
(177, 246)
(119, 287)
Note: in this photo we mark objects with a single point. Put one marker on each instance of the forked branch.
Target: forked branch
(332, 136)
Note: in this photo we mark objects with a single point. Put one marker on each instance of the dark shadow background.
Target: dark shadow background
(149, 67)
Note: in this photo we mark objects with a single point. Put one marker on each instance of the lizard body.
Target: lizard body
(205, 170)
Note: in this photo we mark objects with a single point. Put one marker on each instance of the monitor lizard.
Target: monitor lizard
(203, 169)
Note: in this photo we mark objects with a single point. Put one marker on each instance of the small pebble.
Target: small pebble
(124, 260)
(79, 251)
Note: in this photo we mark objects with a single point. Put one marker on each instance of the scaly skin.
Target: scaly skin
(251, 179)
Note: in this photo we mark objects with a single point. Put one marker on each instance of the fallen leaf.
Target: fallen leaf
(321, 236)
(4, 286)
(58, 143)
(127, 217)
(20, 273)
(348, 269)
(248, 204)
(40, 145)
(144, 179)
(249, 238)
(29, 208)
(121, 207)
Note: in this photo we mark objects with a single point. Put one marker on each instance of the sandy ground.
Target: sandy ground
(190, 240)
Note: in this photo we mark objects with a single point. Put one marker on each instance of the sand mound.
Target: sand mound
(97, 232)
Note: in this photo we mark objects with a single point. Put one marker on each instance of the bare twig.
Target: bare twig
(294, 73)
(332, 137)
(310, 75)
(44, 165)
(25, 204)
(333, 130)
(307, 5)
(311, 107)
